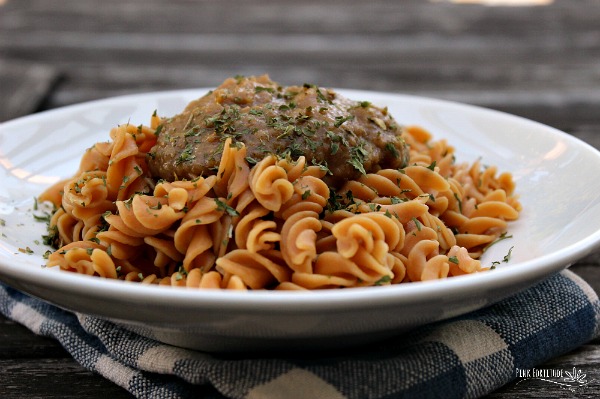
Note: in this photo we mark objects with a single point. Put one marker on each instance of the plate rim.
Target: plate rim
(291, 301)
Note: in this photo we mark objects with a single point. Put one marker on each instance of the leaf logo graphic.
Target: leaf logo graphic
(575, 376)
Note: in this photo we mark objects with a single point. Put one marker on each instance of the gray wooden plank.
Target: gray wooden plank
(420, 47)
(53, 378)
(310, 15)
(23, 87)
(17, 342)
(589, 269)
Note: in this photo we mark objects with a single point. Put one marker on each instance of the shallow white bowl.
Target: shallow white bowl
(556, 177)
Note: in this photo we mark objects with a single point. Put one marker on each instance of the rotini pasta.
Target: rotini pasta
(275, 222)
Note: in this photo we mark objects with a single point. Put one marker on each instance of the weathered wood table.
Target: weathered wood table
(538, 59)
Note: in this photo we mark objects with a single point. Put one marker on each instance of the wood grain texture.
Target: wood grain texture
(37, 367)
(24, 87)
(500, 57)
(53, 378)
(542, 63)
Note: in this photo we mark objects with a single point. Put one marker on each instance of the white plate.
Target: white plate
(556, 177)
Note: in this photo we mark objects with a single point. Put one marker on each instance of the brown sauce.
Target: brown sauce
(345, 136)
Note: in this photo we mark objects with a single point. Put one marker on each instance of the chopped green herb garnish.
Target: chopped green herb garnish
(357, 158)
(339, 120)
(124, 183)
(157, 206)
(383, 280)
(37, 218)
(322, 96)
(334, 148)
(259, 89)
(334, 203)
(459, 202)
(503, 236)
(417, 223)
(186, 155)
(222, 206)
(26, 250)
(391, 148)
(322, 166)
(374, 207)
(508, 255)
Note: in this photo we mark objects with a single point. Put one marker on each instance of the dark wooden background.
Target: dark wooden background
(538, 61)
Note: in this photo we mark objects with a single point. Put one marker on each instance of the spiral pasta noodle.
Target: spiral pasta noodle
(275, 223)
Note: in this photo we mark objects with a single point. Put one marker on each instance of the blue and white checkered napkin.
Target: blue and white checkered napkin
(465, 357)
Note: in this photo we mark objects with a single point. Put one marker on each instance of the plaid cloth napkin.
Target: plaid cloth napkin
(465, 357)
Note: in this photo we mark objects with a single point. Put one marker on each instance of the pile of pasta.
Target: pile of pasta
(275, 224)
